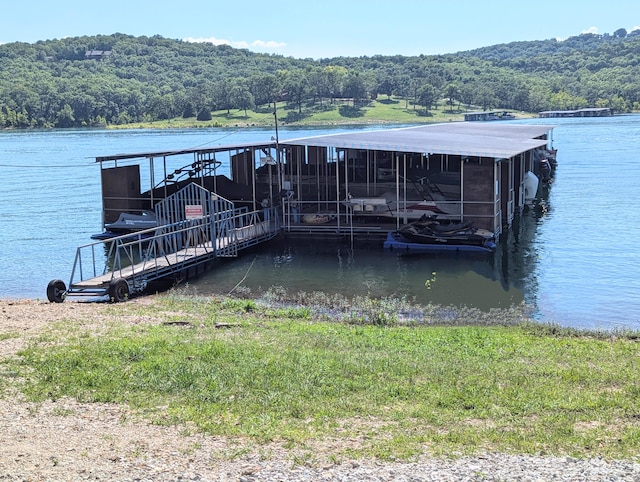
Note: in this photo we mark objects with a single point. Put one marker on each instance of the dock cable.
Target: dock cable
(35, 166)
(243, 278)
(21, 166)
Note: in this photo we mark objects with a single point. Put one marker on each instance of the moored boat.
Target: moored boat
(128, 223)
(531, 183)
(395, 242)
(430, 231)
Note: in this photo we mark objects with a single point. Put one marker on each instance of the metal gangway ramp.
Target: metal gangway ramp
(196, 227)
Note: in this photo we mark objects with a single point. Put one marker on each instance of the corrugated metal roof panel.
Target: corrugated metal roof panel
(492, 140)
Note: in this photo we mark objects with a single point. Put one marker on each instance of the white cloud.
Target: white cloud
(211, 40)
(260, 45)
(268, 44)
(591, 30)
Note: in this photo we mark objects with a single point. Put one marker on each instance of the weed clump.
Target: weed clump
(391, 311)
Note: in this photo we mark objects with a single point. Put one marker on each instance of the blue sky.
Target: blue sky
(322, 29)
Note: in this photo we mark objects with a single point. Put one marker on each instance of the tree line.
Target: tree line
(120, 79)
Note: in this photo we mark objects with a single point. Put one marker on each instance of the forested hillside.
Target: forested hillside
(120, 79)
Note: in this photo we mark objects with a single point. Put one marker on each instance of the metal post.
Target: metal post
(462, 162)
(398, 192)
(253, 176)
(338, 186)
(279, 168)
(164, 167)
(152, 179)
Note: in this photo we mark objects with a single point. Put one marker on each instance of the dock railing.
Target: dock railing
(167, 250)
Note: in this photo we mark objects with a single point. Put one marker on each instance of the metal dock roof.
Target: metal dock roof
(457, 138)
(177, 152)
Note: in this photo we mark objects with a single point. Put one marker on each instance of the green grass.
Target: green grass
(278, 374)
(382, 110)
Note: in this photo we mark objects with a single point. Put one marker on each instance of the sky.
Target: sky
(322, 28)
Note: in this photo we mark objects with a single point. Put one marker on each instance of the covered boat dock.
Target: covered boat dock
(465, 171)
(214, 202)
(489, 115)
(355, 181)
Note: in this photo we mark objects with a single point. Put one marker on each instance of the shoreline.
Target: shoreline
(178, 124)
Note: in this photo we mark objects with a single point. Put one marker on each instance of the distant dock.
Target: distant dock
(589, 112)
(489, 115)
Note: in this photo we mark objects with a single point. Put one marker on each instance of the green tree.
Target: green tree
(222, 95)
(65, 117)
(317, 83)
(335, 78)
(485, 98)
(296, 87)
(354, 88)
(467, 94)
(451, 92)
(621, 33)
(565, 101)
(264, 87)
(241, 96)
(427, 95)
(386, 83)
(204, 114)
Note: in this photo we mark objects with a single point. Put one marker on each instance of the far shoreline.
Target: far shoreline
(258, 120)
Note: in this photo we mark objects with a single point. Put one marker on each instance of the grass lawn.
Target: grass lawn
(386, 388)
(380, 111)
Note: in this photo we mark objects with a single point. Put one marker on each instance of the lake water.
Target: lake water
(574, 258)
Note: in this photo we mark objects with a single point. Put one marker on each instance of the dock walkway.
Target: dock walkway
(125, 265)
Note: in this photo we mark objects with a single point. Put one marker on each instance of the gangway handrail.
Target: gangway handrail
(136, 256)
(196, 226)
(123, 243)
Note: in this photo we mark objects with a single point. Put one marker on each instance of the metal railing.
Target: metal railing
(154, 253)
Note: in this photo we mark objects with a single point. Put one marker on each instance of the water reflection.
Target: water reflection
(497, 280)
(518, 256)
(483, 281)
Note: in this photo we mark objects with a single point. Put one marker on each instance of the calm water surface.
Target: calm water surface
(574, 258)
